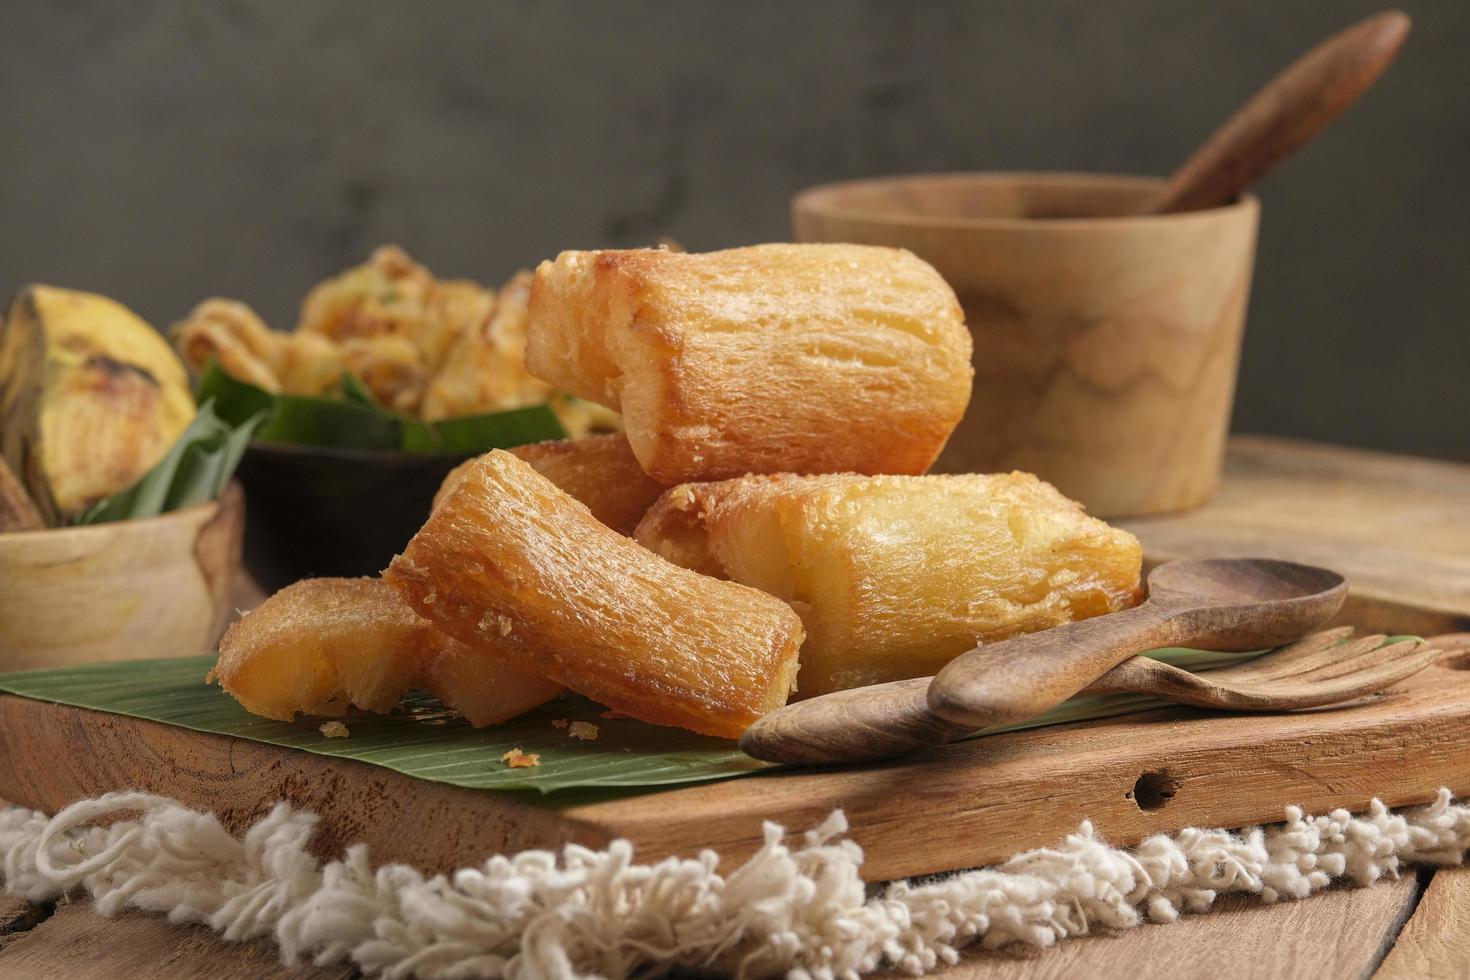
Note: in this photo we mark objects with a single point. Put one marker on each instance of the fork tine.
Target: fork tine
(1367, 660)
(1304, 655)
(1269, 663)
(1326, 659)
(1311, 693)
(1380, 675)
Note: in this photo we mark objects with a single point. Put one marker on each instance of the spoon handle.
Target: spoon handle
(1008, 682)
(859, 725)
(1291, 109)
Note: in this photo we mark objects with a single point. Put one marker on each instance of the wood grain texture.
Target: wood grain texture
(53, 755)
(1286, 113)
(1397, 526)
(1339, 933)
(75, 944)
(155, 587)
(1105, 348)
(1435, 943)
(982, 800)
(17, 916)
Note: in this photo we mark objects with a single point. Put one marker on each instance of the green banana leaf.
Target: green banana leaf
(194, 471)
(424, 741)
(356, 421)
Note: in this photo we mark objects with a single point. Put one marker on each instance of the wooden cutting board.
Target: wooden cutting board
(1400, 528)
(964, 805)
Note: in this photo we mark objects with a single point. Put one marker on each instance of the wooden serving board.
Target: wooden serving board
(1400, 528)
(960, 806)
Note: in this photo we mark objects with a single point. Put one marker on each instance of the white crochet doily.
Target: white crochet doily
(798, 908)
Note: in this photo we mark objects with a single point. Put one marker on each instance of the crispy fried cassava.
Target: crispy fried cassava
(508, 554)
(895, 576)
(91, 397)
(772, 358)
(322, 645)
(600, 471)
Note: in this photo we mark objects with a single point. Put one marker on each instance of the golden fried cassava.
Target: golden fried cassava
(322, 645)
(772, 358)
(600, 471)
(486, 690)
(508, 554)
(895, 576)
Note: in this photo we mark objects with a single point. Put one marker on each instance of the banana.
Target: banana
(17, 511)
(90, 397)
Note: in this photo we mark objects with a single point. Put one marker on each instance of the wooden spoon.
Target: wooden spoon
(1213, 604)
(1291, 109)
(893, 719)
(885, 720)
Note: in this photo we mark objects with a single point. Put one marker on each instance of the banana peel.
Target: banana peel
(91, 397)
(17, 511)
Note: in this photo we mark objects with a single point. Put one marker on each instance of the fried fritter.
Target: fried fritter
(895, 576)
(772, 358)
(508, 554)
(322, 645)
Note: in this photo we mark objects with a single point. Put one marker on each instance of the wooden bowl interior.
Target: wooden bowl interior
(981, 199)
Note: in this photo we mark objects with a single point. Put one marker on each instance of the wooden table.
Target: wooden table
(1399, 527)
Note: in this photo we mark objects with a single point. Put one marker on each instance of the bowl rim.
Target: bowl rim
(819, 200)
(232, 496)
(354, 453)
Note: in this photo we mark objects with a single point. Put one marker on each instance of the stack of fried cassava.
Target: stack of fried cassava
(762, 530)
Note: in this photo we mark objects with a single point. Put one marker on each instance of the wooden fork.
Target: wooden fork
(1325, 668)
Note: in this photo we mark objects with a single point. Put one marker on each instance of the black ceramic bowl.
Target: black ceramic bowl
(318, 510)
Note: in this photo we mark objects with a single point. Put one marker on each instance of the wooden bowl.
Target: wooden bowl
(1106, 347)
(319, 510)
(155, 587)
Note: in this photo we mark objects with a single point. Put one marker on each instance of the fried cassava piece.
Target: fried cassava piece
(507, 554)
(896, 576)
(322, 645)
(600, 471)
(772, 358)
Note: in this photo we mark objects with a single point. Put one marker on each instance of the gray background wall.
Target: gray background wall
(163, 152)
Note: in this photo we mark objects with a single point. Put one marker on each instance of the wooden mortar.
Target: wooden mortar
(155, 587)
(1106, 345)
